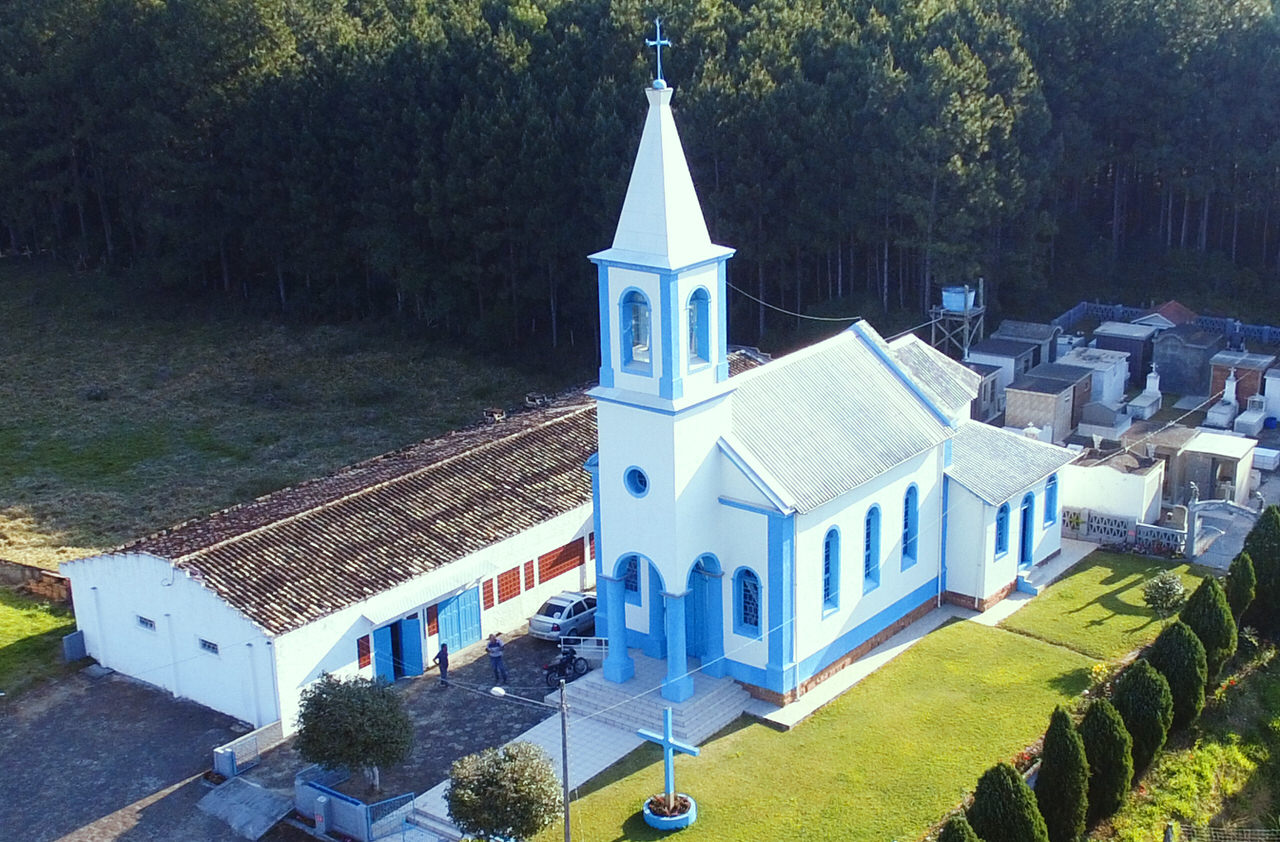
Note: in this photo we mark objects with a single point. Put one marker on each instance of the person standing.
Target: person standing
(494, 648)
(442, 659)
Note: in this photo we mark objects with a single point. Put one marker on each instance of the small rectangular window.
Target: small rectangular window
(208, 646)
(363, 657)
(147, 623)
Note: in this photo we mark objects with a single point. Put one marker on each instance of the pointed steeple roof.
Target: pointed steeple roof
(661, 224)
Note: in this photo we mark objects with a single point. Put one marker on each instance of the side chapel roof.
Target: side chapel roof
(997, 465)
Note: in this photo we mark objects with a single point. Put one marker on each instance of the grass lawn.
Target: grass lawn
(882, 762)
(30, 640)
(1097, 609)
(126, 411)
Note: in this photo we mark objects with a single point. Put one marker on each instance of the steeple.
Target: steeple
(661, 225)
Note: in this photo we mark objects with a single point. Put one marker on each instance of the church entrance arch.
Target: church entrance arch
(1028, 531)
(704, 628)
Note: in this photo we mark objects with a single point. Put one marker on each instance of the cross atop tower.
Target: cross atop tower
(658, 42)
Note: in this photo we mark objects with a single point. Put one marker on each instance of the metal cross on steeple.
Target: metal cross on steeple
(658, 42)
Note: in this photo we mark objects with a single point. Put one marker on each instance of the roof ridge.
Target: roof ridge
(378, 486)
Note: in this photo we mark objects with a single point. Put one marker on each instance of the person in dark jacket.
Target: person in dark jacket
(442, 659)
(494, 648)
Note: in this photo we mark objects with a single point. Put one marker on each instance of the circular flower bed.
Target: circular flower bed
(683, 812)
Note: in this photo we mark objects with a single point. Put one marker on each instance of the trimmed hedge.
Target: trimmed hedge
(1004, 810)
(957, 829)
(1143, 700)
(1242, 583)
(1109, 750)
(1209, 616)
(1179, 656)
(1263, 547)
(1062, 786)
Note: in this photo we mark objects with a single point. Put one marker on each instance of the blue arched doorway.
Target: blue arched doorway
(1025, 542)
(704, 612)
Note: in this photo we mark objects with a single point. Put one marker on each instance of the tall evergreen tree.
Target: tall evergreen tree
(1004, 809)
(1063, 783)
(1109, 750)
(1241, 583)
(1263, 546)
(1143, 700)
(1209, 616)
(1179, 656)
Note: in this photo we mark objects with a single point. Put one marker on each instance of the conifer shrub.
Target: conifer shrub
(1109, 751)
(1143, 700)
(1063, 783)
(1164, 593)
(957, 829)
(1003, 808)
(1263, 547)
(1241, 583)
(1179, 656)
(1208, 614)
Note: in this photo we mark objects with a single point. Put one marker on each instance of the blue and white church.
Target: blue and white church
(775, 525)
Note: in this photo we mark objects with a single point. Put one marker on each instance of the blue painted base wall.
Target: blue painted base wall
(863, 632)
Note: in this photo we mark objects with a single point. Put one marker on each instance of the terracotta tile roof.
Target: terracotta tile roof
(1176, 312)
(306, 551)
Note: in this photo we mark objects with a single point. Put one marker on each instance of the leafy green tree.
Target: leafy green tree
(1004, 809)
(1241, 583)
(1062, 787)
(1164, 593)
(354, 723)
(1143, 700)
(1209, 616)
(957, 829)
(511, 792)
(1263, 546)
(1109, 750)
(1179, 656)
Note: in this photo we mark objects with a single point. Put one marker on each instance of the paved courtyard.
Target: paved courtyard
(106, 759)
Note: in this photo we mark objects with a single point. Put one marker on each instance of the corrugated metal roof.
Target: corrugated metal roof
(949, 384)
(826, 419)
(997, 465)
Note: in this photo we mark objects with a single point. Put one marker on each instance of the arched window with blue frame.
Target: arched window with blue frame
(1051, 500)
(831, 570)
(871, 550)
(636, 349)
(699, 317)
(746, 603)
(1002, 530)
(910, 527)
(631, 579)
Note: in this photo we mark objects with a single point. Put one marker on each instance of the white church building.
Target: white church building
(769, 527)
(773, 526)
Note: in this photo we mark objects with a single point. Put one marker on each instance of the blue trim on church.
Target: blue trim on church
(670, 384)
(592, 466)
(780, 597)
(861, 633)
(722, 331)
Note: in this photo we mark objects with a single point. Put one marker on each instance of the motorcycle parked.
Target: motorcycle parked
(565, 668)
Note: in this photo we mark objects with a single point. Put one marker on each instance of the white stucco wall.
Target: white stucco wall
(1005, 376)
(968, 534)
(816, 628)
(113, 591)
(1104, 489)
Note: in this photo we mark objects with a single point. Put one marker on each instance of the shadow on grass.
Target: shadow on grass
(1072, 682)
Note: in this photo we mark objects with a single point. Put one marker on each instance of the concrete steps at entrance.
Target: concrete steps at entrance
(638, 702)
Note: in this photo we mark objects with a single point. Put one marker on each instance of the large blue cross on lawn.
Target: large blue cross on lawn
(670, 745)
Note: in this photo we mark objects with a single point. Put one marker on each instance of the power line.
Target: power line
(764, 303)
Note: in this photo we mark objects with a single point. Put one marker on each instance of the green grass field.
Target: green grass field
(118, 422)
(30, 640)
(884, 761)
(1098, 609)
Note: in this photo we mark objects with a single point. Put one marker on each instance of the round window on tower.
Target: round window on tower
(636, 481)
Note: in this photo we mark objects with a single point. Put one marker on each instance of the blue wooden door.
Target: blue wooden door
(695, 614)
(459, 619)
(383, 660)
(411, 645)
(1028, 527)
